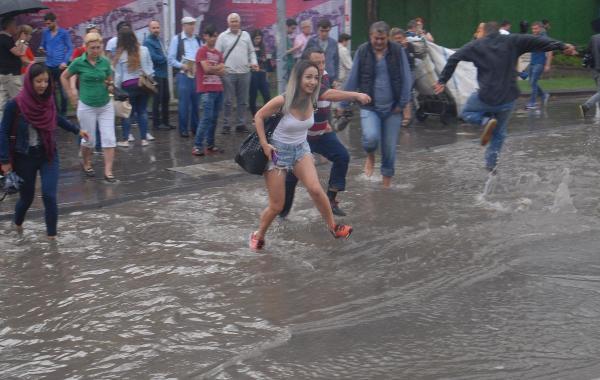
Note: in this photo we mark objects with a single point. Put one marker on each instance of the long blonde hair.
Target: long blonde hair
(292, 90)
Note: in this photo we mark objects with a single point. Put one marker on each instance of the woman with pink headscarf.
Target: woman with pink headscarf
(32, 119)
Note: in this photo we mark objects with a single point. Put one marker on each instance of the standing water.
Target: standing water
(430, 285)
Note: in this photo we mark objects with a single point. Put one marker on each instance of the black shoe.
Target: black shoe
(335, 208)
(225, 131)
(170, 126)
(163, 127)
(583, 110)
(184, 134)
(242, 129)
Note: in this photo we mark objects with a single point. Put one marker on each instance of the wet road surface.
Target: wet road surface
(439, 280)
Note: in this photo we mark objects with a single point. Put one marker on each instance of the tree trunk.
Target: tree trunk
(371, 11)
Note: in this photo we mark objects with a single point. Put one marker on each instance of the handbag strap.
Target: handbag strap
(233, 47)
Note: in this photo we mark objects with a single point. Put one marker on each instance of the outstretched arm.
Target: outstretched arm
(333, 95)
(527, 43)
(461, 54)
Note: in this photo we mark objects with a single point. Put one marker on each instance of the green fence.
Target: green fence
(452, 22)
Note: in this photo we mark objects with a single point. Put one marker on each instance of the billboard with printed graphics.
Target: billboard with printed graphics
(76, 15)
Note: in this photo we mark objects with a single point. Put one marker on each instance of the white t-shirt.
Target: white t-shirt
(111, 45)
(504, 32)
(291, 130)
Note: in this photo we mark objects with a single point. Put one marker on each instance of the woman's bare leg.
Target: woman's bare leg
(109, 158)
(275, 180)
(307, 173)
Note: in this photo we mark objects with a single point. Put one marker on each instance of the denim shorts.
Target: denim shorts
(288, 155)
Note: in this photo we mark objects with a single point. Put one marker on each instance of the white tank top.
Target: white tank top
(291, 130)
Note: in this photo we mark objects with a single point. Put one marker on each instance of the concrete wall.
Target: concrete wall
(452, 22)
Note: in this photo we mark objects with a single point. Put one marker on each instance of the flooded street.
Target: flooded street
(448, 274)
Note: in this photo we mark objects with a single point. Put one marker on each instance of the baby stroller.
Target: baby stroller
(430, 62)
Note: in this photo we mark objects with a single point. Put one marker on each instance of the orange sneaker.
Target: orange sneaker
(341, 231)
(256, 244)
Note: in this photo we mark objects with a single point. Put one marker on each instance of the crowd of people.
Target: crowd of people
(212, 69)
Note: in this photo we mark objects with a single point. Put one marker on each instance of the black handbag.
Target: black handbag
(251, 156)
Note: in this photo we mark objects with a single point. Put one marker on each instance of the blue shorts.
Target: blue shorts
(288, 155)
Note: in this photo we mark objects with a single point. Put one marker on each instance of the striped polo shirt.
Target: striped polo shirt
(323, 110)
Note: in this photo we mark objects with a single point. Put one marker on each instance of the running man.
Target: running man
(495, 57)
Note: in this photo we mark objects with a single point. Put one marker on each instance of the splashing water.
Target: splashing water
(490, 185)
(562, 197)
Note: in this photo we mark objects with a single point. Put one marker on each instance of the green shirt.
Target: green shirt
(92, 89)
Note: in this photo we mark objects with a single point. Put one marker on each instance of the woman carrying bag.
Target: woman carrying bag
(289, 150)
(93, 103)
(31, 116)
(132, 65)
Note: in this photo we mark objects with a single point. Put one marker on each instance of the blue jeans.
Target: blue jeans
(26, 167)
(211, 102)
(287, 155)
(535, 72)
(139, 104)
(258, 82)
(329, 146)
(591, 102)
(478, 112)
(378, 128)
(188, 103)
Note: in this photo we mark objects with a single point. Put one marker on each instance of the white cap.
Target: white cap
(188, 20)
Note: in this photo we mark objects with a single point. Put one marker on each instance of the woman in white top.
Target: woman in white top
(130, 62)
(289, 149)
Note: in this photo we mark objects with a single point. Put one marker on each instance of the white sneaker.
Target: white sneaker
(145, 143)
(131, 138)
(123, 144)
(149, 137)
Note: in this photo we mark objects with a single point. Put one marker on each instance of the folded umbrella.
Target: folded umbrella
(16, 7)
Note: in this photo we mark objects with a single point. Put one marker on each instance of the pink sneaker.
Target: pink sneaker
(341, 231)
(256, 244)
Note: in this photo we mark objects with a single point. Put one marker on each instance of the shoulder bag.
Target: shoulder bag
(147, 84)
(251, 156)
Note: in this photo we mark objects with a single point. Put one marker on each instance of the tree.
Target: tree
(371, 11)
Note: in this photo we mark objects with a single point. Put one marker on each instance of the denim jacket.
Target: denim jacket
(158, 56)
(22, 143)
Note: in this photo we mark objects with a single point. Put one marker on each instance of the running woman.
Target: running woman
(322, 139)
(289, 150)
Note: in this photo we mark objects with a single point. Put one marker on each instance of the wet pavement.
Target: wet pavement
(151, 277)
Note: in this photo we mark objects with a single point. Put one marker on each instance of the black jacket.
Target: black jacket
(495, 57)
